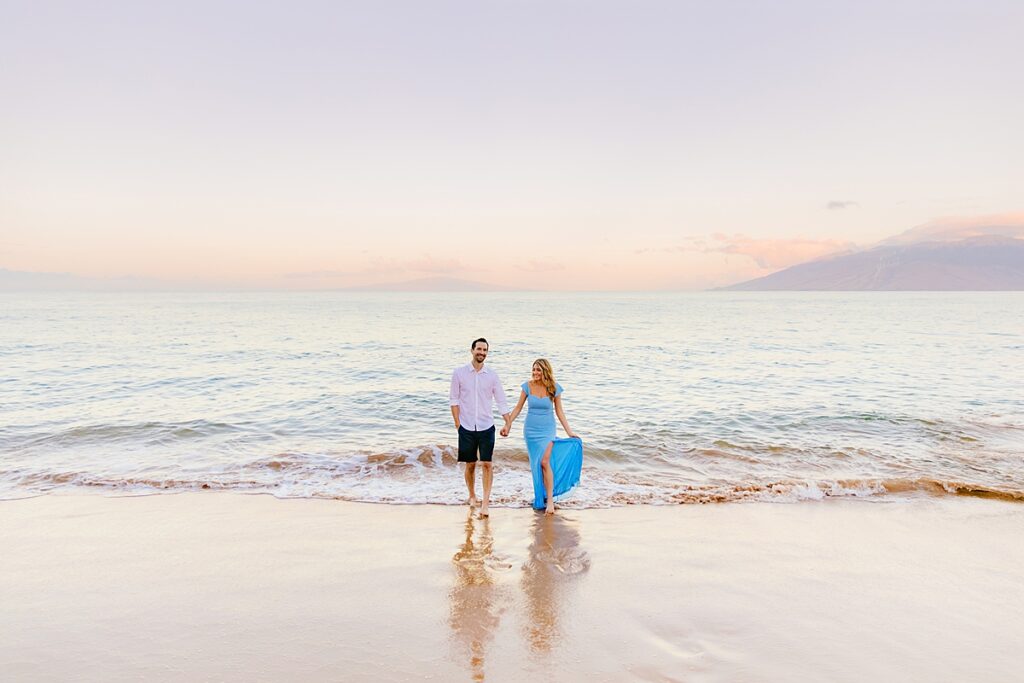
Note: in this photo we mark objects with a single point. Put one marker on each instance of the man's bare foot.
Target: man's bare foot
(473, 502)
(483, 511)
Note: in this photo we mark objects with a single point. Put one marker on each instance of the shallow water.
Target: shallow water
(680, 398)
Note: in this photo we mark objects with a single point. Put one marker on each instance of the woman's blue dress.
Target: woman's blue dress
(566, 454)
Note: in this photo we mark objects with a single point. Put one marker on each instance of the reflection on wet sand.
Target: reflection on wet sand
(476, 599)
(555, 561)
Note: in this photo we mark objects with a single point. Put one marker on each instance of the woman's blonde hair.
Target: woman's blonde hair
(547, 376)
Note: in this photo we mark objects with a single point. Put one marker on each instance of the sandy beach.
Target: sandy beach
(222, 586)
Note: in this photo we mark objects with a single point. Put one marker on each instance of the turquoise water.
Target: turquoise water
(697, 397)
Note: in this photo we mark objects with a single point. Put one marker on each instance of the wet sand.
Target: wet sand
(218, 586)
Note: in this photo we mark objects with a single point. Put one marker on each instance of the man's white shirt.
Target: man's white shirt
(472, 392)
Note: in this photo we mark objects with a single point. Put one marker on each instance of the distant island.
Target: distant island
(24, 281)
(984, 263)
(430, 284)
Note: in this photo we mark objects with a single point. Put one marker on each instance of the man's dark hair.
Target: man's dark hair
(477, 341)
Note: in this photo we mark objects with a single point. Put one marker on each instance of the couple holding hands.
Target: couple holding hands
(555, 463)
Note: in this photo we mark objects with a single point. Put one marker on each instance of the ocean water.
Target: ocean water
(679, 398)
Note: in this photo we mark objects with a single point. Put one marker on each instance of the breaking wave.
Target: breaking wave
(431, 475)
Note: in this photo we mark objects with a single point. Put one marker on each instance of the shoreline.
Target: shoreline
(591, 496)
(232, 586)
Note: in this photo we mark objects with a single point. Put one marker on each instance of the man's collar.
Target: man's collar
(473, 369)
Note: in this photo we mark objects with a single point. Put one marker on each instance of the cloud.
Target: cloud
(767, 253)
(778, 253)
(389, 268)
(429, 264)
(323, 274)
(838, 204)
(953, 228)
(541, 267)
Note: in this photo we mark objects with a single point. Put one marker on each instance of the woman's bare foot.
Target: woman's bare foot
(483, 512)
(550, 509)
(473, 502)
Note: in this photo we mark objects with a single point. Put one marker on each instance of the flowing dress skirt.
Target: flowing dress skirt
(566, 463)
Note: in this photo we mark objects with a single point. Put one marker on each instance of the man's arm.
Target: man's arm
(453, 398)
(499, 397)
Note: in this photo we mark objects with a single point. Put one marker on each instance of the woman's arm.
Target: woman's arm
(519, 406)
(561, 417)
(515, 413)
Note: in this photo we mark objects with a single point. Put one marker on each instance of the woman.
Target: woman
(552, 476)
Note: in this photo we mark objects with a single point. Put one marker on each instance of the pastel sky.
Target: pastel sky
(556, 144)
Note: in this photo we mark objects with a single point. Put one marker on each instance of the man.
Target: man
(473, 388)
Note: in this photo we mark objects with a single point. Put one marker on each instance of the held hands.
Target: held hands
(504, 431)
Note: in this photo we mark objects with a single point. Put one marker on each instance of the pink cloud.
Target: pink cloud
(319, 274)
(430, 264)
(389, 268)
(954, 228)
(767, 253)
(542, 267)
(777, 253)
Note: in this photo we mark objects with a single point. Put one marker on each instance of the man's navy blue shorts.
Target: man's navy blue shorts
(471, 442)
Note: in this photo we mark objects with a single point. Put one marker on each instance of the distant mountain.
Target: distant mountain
(989, 263)
(17, 280)
(432, 284)
(26, 281)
